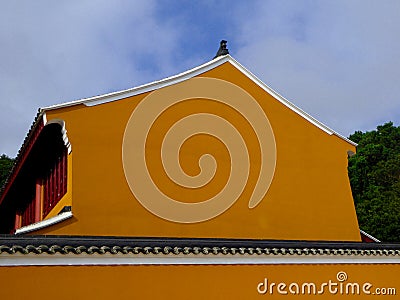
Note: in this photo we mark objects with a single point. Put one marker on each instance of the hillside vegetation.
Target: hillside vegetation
(374, 174)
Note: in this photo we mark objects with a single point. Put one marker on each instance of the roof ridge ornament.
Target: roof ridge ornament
(222, 49)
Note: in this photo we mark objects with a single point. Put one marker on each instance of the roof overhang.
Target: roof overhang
(96, 250)
(101, 99)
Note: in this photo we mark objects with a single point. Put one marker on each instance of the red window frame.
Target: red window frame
(55, 183)
(40, 178)
(28, 215)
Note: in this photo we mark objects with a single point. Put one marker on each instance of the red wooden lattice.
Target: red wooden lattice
(28, 216)
(55, 183)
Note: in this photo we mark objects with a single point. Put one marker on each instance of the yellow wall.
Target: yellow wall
(309, 197)
(194, 282)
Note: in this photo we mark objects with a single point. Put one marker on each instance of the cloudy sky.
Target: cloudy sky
(339, 60)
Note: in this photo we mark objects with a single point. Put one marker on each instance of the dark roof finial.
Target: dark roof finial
(222, 49)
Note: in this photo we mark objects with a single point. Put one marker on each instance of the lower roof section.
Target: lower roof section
(99, 250)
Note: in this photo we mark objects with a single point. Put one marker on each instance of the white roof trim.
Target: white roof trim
(63, 131)
(287, 103)
(33, 259)
(45, 223)
(92, 101)
(370, 236)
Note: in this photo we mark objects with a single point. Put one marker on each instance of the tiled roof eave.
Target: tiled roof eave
(22, 154)
(185, 246)
(57, 249)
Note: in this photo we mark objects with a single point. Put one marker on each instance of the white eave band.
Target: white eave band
(85, 259)
(51, 221)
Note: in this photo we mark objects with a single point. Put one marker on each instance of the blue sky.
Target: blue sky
(336, 59)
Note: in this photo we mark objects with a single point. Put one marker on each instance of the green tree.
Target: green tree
(374, 174)
(6, 164)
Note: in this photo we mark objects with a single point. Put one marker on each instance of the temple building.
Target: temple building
(205, 184)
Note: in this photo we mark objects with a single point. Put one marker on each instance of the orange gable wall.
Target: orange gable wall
(309, 197)
(203, 281)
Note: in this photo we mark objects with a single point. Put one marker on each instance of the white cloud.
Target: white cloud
(338, 60)
(60, 51)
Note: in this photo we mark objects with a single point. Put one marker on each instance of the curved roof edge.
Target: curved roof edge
(96, 100)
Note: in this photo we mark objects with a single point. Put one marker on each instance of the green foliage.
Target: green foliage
(6, 164)
(374, 174)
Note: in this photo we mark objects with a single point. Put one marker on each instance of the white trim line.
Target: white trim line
(51, 221)
(286, 102)
(189, 259)
(370, 236)
(101, 99)
(63, 132)
(44, 118)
